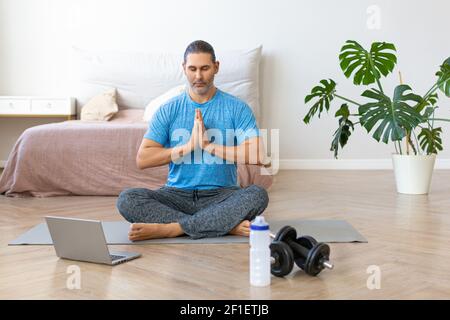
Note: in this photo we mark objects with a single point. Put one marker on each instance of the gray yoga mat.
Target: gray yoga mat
(116, 233)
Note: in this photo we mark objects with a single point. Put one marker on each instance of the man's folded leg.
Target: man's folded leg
(218, 219)
(156, 214)
(153, 213)
(140, 205)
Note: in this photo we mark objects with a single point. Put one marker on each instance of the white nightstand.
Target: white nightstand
(32, 106)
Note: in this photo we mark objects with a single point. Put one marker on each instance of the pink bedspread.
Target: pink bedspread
(88, 158)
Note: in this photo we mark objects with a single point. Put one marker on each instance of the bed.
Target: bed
(78, 157)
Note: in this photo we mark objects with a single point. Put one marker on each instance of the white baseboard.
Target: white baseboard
(347, 164)
(336, 164)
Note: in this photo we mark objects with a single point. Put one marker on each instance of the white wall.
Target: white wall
(301, 42)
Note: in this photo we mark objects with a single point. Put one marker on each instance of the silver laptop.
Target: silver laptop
(83, 240)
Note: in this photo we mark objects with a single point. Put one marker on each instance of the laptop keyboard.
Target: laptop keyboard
(114, 257)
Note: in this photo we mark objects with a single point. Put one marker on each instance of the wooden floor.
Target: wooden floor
(409, 240)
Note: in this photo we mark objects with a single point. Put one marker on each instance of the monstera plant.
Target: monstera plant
(406, 118)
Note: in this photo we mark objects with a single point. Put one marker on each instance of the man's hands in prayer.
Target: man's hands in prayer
(198, 139)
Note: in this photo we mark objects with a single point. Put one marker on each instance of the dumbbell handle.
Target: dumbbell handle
(294, 245)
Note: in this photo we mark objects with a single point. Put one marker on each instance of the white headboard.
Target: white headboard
(140, 77)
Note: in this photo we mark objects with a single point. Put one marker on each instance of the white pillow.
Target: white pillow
(141, 77)
(102, 107)
(153, 105)
(239, 76)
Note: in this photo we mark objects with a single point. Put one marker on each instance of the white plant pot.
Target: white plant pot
(413, 172)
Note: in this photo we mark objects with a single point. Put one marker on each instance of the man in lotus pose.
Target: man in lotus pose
(201, 197)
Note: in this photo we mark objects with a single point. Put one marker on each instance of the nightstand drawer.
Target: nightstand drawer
(15, 106)
(51, 107)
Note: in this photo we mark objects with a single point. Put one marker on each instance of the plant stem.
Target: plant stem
(417, 141)
(410, 142)
(348, 100)
(432, 121)
(431, 91)
(408, 137)
(379, 85)
(439, 119)
(375, 73)
(400, 147)
(396, 150)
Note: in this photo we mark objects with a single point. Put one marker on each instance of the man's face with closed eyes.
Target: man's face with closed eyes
(200, 71)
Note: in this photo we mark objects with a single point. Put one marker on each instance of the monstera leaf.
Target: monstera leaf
(394, 116)
(430, 140)
(325, 94)
(444, 77)
(342, 134)
(367, 66)
(427, 102)
(428, 113)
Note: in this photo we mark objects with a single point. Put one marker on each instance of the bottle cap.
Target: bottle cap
(259, 224)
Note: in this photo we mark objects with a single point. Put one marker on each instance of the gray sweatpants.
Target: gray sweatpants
(201, 213)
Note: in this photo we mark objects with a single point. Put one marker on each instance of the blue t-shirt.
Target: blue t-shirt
(228, 121)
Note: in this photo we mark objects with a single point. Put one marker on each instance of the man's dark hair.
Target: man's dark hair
(200, 46)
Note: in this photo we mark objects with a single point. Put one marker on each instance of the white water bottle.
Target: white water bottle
(259, 253)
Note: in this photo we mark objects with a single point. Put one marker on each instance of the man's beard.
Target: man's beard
(201, 90)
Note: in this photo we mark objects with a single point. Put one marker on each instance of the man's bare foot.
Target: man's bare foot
(145, 231)
(242, 229)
